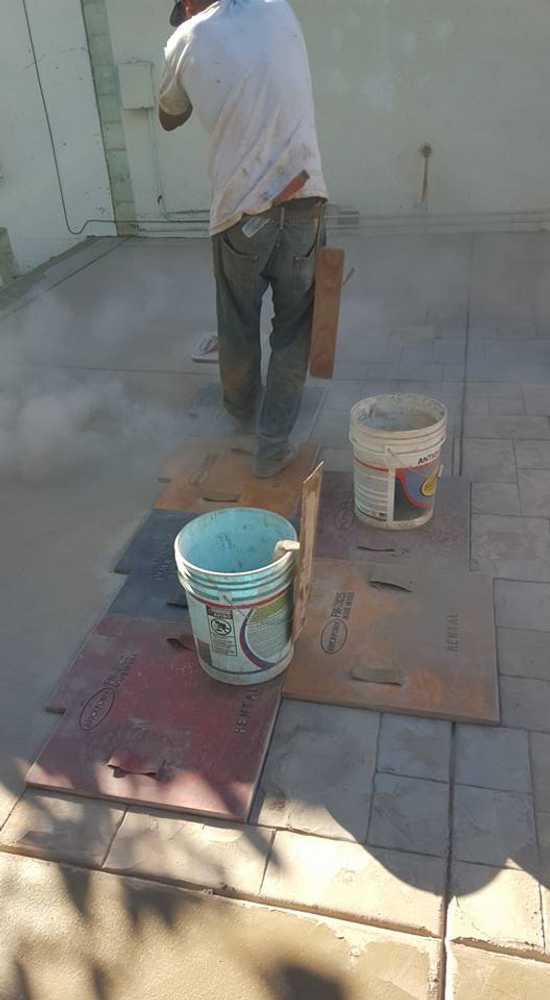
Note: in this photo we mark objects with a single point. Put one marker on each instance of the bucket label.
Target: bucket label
(243, 640)
(222, 631)
(266, 631)
(415, 491)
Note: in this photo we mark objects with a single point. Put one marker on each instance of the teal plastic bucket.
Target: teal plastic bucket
(240, 598)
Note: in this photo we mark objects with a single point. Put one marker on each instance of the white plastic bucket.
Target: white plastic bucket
(397, 442)
(240, 598)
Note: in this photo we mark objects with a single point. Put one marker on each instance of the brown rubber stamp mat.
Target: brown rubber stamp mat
(394, 639)
(207, 476)
(342, 536)
(145, 724)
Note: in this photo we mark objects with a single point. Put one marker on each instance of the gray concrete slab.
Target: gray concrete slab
(494, 828)
(474, 407)
(495, 498)
(537, 399)
(32, 285)
(492, 758)
(342, 395)
(533, 454)
(420, 370)
(488, 461)
(126, 310)
(501, 370)
(415, 748)
(384, 887)
(454, 372)
(506, 407)
(522, 605)
(62, 827)
(505, 271)
(523, 653)
(337, 459)
(525, 703)
(493, 390)
(449, 351)
(543, 831)
(472, 973)
(333, 433)
(415, 334)
(534, 491)
(499, 908)
(410, 280)
(540, 757)
(410, 814)
(545, 893)
(212, 855)
(508, 428)
(511, 547)
(319, 770)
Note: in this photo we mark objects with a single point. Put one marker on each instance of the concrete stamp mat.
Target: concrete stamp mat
(152, 549)
(206, 477)
(141, 599)
(146, 594)
(384, 638)
(342, 536)
(146, 725)
(152, 545)
(75, 683)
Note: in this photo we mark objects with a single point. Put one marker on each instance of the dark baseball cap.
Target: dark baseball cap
(178, 15)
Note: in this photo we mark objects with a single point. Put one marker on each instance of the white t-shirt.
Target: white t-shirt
(243, 66)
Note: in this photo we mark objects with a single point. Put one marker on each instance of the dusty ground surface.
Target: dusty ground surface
(390, 858)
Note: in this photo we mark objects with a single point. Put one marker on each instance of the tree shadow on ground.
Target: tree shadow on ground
(145, 939)
(293, 982)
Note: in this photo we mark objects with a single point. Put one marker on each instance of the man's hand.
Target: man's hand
(171, 122)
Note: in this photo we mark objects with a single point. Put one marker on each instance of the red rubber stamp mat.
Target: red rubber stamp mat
(399, 639)
(144, 724)
(445, 539)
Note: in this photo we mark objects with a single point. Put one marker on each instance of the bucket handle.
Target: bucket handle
(284, 547)
(392, 460)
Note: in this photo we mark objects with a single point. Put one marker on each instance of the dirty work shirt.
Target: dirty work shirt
(242, 66)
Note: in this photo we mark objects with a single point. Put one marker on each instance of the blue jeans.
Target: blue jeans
(282, 254)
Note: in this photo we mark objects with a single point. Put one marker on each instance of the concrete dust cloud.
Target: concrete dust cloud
(57, 423)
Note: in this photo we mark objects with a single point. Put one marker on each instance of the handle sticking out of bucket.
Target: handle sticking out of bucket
(284, 547)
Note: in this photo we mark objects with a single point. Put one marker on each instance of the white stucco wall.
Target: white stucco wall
(471, 77)
(178, 167)
(30, 206)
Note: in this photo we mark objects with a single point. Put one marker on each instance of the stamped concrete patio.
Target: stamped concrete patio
(388, 857)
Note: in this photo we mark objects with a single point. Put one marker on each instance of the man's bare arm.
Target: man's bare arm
(171, 122)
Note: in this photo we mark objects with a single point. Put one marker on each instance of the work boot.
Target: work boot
(267, 466)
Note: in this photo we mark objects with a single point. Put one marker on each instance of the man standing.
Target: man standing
(242, 66)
